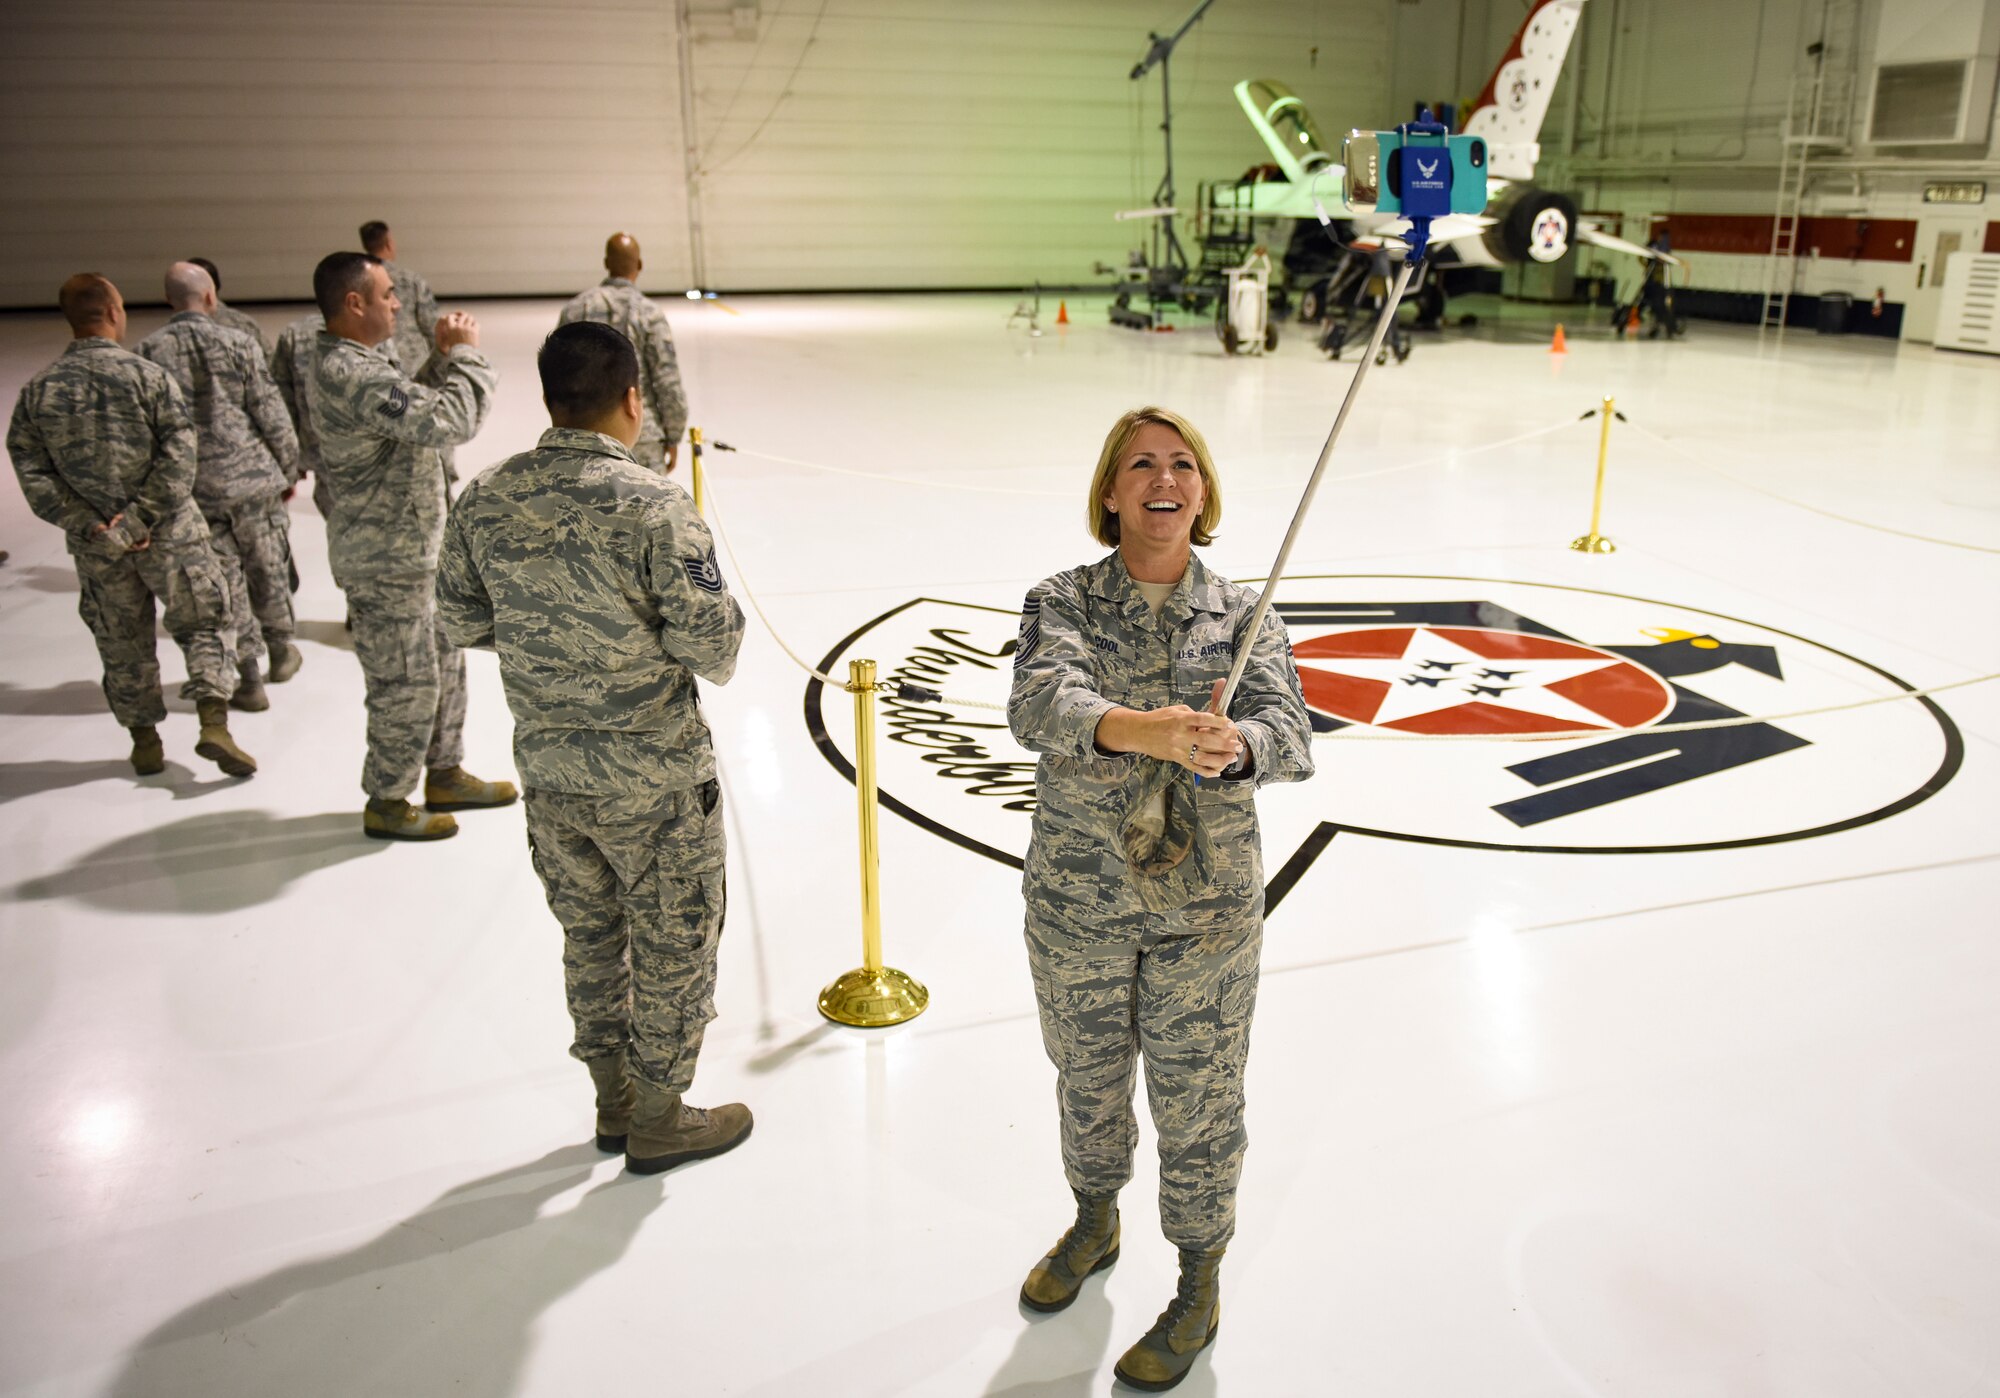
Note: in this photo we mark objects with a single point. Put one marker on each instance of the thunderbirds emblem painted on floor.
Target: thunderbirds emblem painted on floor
(1403, 658)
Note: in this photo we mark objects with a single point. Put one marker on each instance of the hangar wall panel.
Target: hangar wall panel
(500, 140)
(1681, 106)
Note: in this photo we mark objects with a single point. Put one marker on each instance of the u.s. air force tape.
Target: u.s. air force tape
(703, 572)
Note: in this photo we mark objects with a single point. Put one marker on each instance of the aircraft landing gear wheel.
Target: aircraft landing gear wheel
(1270, 337)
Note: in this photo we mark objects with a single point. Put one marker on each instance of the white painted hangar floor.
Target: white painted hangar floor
(1609, 1065)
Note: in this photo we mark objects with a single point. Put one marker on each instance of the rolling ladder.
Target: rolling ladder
(1818, 111)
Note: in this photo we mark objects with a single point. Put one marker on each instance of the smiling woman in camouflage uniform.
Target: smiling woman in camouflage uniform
(1118, 666)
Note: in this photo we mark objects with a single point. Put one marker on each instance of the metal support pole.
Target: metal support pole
(1594, 542)
(694, 480)
(873, 995)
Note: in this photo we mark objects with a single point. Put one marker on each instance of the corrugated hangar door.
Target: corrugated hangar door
(911, 143)
(502, 141)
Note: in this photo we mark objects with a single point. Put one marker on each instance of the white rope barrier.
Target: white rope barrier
(896, 480)
(757, 606)
(722, 533)
(1355, 732)
(1441, 459)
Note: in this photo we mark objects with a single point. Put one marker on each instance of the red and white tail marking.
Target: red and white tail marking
(1509, 112)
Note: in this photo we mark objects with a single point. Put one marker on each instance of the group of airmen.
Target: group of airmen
(170, 468)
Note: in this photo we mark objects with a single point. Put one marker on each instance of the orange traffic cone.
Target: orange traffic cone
(1559, 345)
(1062, 313)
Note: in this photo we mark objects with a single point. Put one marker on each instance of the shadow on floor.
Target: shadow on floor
(1053, 1356)
(69, 697)
(1058, 1356)
(445, 1301)
(19, 779)
(772, 1059)
(205, 864)
(44, 577)
(326, 633)
(745, 889)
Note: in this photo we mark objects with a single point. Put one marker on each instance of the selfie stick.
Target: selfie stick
(1245, 645)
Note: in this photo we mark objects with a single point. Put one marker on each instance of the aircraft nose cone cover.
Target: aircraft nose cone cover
(1551, 235)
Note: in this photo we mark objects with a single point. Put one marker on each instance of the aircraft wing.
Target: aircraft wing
(1448, 229)
(1588, 232)
(1469, 229)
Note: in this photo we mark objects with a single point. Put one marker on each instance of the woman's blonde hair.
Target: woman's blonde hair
(1103, 521)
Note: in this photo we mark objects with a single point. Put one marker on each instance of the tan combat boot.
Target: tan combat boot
(215, 742)
(1185, 1328)
(149, 755)
(285, 661)
(665, 1133)
(455, 789)
(616, 1097)
(399, 820)
(1089, 1246)
(250, 696)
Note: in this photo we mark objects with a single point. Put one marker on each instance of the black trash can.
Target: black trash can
(1833, 309)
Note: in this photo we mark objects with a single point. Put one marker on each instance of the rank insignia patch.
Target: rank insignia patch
(703, 572)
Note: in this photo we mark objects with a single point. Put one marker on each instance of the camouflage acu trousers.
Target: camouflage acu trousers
(416, 686)
(253, 543)
(1183, 1003)
(117, 603)
(636, 882)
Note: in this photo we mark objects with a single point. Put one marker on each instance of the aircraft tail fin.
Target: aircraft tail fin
(1510, 110)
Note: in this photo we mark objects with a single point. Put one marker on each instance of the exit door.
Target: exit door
(1938, 241)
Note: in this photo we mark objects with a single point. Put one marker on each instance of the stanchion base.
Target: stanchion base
(873, 999)
(1593, 543)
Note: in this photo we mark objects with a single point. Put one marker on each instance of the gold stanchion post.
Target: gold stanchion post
(694, 479)
(1594, 542)
(873, 995)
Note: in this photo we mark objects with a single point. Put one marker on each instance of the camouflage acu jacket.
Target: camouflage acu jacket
(229, 318)
(617, 302)
(292, 370)
(102, 432)
(247, 446)
(596, 581)
(416, 322)
(381, 442)
(1088, 644)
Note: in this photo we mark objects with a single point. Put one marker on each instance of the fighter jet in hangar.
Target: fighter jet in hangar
(1521, 222)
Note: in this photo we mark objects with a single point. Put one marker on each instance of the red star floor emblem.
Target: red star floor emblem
(1462, 679)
